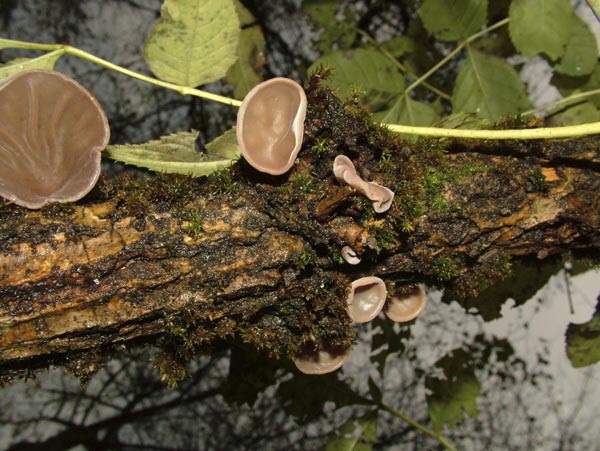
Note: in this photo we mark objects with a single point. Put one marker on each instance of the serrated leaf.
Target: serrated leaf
(304, 396)
(541, 26)
(464, 120)
(582, 113)
(407, 111)
(246, 72)
(574, 85)
(176, 153)
(453, 20)
(451, 398)
(581, 53)
(194, 42)
(334, 32)
(399, 45)
(46, 62)
(489, 86)
(355, 435)
(583, 341)
(366, 69)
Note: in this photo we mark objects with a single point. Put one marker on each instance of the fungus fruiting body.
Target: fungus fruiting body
(270, 125)
(350, 256)
(321, 362)
(366, 299)
(52, 131)
(345, 172)
(406, 306)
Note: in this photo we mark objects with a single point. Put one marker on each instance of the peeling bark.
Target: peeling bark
(185, 264)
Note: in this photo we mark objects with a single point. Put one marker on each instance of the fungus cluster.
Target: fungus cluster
(52, 131)
(270, 127)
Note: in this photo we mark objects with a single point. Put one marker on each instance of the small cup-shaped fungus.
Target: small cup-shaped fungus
(270, 125)
(366, 299)
(407, 305)
(52, 131)
(321, 362)
(344, 171)
(350, 256)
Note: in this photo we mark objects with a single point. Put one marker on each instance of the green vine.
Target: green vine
(570, 131)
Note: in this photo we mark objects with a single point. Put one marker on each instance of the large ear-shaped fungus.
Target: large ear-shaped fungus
(52, 131)
(406, 306)
(270, 125)
(366, 299)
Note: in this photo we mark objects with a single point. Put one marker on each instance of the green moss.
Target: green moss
(223, 182)
(306, 259)
(301, 183)
(172, 369)
(536, 181)
(194, 225)
(445, 269)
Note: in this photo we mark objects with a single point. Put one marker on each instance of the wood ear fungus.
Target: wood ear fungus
(52, 131)
(366, 299)
(270, 125)
(344, 171)
(407, 305)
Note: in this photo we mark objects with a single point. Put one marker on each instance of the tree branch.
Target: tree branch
(188, 263)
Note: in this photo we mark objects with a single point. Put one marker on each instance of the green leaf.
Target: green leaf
(453, 20)
(454, 396)
(583, 341)
(595, 5)
(407, 111)
(582, 113)
(304, 396)
(541, 26)
(194, 42)
(46, 62)
(355, 435)
(581, 54)
(176, 153)
(366, 69)
(400, 45)
(489, 86)
(334, 32)
(574, 85)
(464, 120)
(247, 70)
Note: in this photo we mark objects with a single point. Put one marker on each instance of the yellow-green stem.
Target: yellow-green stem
(570, 131)
(418, 426)
(453, 53)
(67, 49)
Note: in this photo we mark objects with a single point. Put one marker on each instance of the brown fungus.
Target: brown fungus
(321, 362)
(366, 299)
(52, 131)
(350, 256)
(344, 171)
(406, 306)
(270, 125)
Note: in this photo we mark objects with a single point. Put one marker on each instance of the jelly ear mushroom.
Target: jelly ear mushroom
(344, 171)
(270, 125)
(350, 256)
(406, 305)
(321, 362)
(52, 131)
(366, 299)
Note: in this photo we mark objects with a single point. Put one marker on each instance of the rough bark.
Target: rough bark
(185, 264)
